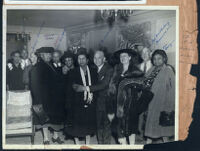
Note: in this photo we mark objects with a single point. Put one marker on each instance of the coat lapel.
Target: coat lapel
(102, 72)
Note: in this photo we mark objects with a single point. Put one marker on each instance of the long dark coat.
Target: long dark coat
(83, 119)
(40, 79)
(57, 93)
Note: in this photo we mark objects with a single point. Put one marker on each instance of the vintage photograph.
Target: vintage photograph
(95, 76)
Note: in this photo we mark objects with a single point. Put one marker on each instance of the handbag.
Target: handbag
(41, 114)
(166, 118)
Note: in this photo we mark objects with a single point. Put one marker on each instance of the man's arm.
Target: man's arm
(104, 83)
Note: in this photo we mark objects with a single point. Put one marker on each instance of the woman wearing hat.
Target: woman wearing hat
(127, 68)
(40, 78)
(83, 103)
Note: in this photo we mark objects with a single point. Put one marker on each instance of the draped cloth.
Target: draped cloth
(18, 112)
(87, 95)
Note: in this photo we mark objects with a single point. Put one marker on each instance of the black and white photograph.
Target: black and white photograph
(95, 76)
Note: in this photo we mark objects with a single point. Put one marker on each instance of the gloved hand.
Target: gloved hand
(111, 116)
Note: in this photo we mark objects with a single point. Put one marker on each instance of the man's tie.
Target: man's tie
(98, 70)
(145, 67)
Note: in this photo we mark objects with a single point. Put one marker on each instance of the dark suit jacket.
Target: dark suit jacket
(104, 77)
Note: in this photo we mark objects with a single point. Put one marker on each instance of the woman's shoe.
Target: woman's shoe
(58, 140)
(46, 142)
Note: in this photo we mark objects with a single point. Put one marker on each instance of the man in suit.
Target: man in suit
(104, 76)
(27, 65)
(146, 56)
(105, 72)
(145, 66)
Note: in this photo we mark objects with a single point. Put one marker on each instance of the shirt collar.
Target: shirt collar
(58, 64)
(100, 67)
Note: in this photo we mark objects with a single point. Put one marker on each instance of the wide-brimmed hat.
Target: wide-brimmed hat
(44, 50)
(135, 55)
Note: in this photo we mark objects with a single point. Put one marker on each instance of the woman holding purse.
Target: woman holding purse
(40, 89)
(160, 114)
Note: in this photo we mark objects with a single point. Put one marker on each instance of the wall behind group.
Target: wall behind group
(160, 26)
(92, 36)
(42, 37)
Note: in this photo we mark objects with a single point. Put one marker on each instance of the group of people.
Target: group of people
(83, 97)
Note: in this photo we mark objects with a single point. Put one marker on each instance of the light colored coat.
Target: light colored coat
(163, 100)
